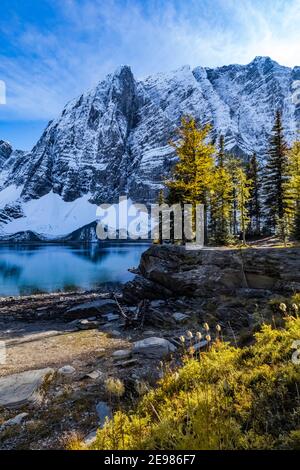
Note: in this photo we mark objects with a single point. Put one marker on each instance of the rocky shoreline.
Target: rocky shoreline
(66, 345)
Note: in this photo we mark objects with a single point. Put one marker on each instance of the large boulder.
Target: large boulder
(171, 271)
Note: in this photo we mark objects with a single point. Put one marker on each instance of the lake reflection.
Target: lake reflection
(27, 269)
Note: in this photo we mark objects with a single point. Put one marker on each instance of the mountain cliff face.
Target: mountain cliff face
(5, 152)
(113, 140)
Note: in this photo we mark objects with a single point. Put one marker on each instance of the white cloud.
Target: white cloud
(95, 36)
(2, 92)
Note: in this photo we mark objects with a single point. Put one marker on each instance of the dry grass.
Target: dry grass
(56, 351)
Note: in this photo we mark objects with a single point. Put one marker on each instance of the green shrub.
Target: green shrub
(229, 398)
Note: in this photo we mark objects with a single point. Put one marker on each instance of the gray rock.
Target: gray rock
(87, 325)
(180, 317)
(111, 317)
(153, 347)
(142, 288)
(127, 363)
(172, 271)
(23, 388)
(88, 309)
(114, 333)
(122, 354)
(14, 421)
(148, 333)
(90, 438)
(157, 303)
(200, 345)
(66, 370)
(95, 374)
(103, 411)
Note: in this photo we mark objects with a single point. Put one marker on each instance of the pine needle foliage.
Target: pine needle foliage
(293, 187)
(221, 199)
(192, 176)
(254, 204)
(278, 200)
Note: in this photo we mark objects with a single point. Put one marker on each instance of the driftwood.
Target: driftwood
(135, 319)
(120, 308)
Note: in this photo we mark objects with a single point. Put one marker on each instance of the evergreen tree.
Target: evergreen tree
(277, 202)
(243, 191)
(221, 152)
(296, 226)
(293, 189)
(221, 197)
(193, 174)
(232, 163)
(254, 206)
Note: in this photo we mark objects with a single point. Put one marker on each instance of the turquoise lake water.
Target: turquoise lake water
(28, 269)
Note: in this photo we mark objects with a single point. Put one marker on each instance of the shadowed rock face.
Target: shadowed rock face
(113, 140)
(169, 271)
(5, 152)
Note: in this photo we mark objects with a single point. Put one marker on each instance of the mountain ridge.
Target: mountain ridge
(113, 139)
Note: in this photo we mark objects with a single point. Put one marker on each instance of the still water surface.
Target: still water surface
(28, 269)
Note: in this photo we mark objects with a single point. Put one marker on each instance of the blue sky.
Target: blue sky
(52, 50)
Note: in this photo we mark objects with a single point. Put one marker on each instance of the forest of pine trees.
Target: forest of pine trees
(243, 200)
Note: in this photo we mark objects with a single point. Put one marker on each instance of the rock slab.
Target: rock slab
(153, 347)
(87, 309)
(23, 388)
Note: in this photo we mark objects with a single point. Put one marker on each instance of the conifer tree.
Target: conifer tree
(293, 186)
(221, 197)
(243, 191)
(232, 163)
(254, 206)
(221, 152)
(193, 174)
(277, 202)
(296, 226)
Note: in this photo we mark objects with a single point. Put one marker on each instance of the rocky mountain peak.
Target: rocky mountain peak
(258, 60)
(113, 139)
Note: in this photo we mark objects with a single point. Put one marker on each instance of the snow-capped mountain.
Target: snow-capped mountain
(113, 140)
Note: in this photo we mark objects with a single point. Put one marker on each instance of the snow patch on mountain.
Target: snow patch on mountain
(9, 194)
(49, 216)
